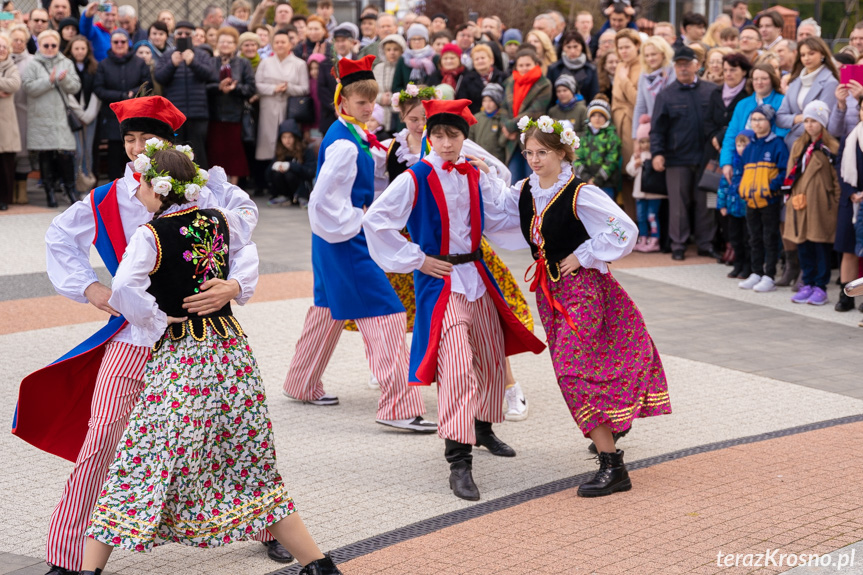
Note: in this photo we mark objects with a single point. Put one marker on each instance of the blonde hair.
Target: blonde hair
(237, 4)
(46, 33)
(482, 48)
(549, 56)
(711, 37)
(367, 88)
(629, 34)
(662, 46)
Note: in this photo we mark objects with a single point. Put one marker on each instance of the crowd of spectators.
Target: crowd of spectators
(725, 133)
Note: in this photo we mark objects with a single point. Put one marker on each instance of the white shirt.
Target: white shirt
(612, 232)
(147, 323)
(71, 234)
(390, 212)
(332, 216)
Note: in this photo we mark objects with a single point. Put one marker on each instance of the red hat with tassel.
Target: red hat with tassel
(454, 113)
(351, 71)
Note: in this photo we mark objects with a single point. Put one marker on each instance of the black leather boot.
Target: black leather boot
(845, 302)
(56, 570)
(277, 552)
(461, 481)
(71, 193)
(791, 269)
(96, 572)
(460, 460)
(617, 435)
(485, 437)
(611, 477)
(52, 199)
(323, 566)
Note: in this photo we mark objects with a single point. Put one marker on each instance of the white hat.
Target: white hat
(818, 111)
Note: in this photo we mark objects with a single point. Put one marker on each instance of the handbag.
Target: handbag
(72, 119)
(711, 178)
(301, 110)
(249, 124)
(798, 202)
(652, 182)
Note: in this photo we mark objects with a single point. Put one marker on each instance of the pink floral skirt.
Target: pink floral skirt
(608, 370)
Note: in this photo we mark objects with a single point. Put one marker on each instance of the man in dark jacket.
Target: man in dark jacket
(677, 140)
(184, 76)
(119, 77)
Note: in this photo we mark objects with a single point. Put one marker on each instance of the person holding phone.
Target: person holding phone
(99, 33)
(184, 73)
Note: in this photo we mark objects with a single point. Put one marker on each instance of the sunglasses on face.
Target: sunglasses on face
(118, 42)
(49, 46)
(39, 20)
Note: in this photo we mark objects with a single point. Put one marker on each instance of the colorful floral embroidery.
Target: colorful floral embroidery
(616, 229)
(209, 252)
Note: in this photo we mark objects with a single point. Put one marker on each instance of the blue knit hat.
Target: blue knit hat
(767, 111)
(511, 35)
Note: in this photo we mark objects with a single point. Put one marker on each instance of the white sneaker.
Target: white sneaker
(373, 382)
(766, 284)
(325, 399)
(750, 282)
(516, 404)
(417, 424)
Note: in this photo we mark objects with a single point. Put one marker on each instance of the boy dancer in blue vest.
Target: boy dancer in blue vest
(348, 284)
(78, 406)
(464, 327)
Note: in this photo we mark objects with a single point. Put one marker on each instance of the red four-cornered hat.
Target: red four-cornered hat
(151, 115)
(354, 70)
(454, 113)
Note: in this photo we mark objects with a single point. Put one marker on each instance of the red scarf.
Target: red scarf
(450, 77)
(522, 85)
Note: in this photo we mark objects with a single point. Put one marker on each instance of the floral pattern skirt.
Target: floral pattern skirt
(403, 284)
(196, 465)
(608, 369)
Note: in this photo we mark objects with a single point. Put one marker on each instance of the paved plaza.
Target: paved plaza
(760, 456)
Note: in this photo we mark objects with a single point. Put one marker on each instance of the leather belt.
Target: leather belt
(456, 259)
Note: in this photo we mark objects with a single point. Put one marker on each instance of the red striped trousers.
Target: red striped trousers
(471, 368)
(386, 352)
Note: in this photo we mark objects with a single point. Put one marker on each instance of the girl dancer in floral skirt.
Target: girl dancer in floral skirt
(197, 464)
(606, 364)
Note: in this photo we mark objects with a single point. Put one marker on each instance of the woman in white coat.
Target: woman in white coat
(18, 36)
(277, 78)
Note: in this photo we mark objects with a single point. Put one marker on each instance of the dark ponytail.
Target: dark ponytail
(178, 166)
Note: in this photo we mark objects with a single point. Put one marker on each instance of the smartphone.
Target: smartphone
(104, 7)
(183, 44)
(851, 72)
(7, 16)
(473, 16)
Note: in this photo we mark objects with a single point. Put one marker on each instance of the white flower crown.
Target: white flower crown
(548, 125)
(163, 183)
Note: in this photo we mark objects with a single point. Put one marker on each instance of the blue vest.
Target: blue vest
(347, 280)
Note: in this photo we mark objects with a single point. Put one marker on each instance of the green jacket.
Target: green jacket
(487, 132)
(534, 105)
(577, 116)
(598, 157)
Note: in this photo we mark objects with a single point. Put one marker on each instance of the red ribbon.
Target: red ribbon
(374, 142)
(464, 168)
(540, 277)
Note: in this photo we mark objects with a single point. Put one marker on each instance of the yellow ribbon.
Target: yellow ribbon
(338, 108)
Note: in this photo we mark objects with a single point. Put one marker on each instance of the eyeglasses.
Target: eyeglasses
(49, 46)
(118, 42)
(182, 34)
(38, 20)
(528, 154)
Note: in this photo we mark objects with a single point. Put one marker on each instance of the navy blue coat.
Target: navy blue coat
(115, 78)
(186, 85)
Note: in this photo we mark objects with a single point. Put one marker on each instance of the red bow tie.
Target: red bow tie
(464, 168)
(374, 142)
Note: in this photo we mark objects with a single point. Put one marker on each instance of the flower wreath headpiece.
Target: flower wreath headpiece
(548, 126)
(413, 91)
(163, 183)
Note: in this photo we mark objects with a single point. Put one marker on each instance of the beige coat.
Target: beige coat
(21, 62)
(820, 184)
(47, 126)
(623, 98)
(10, 82)
(274, 107)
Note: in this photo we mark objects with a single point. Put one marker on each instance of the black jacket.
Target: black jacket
(470, 86)
(88, 83)
(116, 77)
(586, 79)
(326, 92)
(717, 120)
(229, 107)
(186, 85)
(677, 128)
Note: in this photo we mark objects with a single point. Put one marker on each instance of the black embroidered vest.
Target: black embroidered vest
(561, 230)
(192, 247)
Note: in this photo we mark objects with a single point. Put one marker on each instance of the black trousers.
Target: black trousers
(738, 237)
(117, 159)
(194, 133)
(7, 177)
(763, 226)
(58, 169)
(288, 184)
